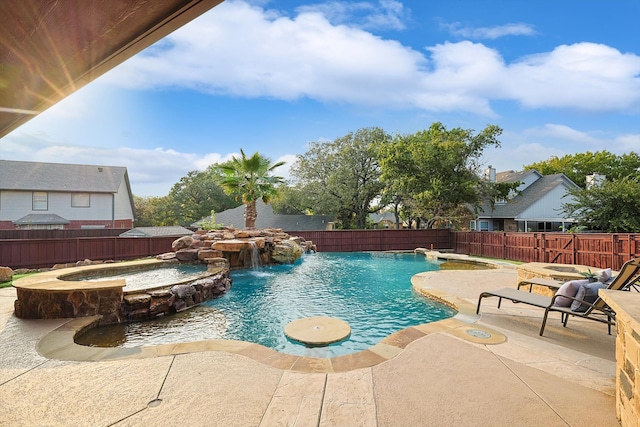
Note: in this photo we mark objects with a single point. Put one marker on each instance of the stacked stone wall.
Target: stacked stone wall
(627, 371)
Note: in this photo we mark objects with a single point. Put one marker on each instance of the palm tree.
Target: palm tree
(250, 179)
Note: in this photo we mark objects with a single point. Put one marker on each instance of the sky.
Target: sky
(559, 77)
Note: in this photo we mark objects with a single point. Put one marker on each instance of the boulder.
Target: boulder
(232, 245)
(218, 263)
(166, 256)
(6, 274)
(187, 255)
(204, 254)
(286, 252)
(182, 243)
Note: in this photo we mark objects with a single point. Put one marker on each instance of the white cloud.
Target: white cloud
(579, 141)
(586, 76)
(523, 147)
(151, 171)
(242, 50)
(386, 14)
(491, 33)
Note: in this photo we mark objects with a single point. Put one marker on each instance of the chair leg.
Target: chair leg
(479, 302)
(544, 321)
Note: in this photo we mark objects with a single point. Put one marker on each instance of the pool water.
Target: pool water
(371, 291)
(159, 276)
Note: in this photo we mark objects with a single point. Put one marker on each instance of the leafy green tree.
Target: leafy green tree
(196, 195)
(342, 177)
(290, 200)
(152, 211)
(437, 171)
(612, 206)
(249, 179)
(577, 166)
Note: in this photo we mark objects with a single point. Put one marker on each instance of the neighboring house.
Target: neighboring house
(50, 196)
(536, 206)
(165, 231)
(268, 219)
(384, 220)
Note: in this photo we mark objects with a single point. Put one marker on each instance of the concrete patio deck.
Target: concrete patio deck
(442, 376)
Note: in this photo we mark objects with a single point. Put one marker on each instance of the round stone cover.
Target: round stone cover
(317, 330)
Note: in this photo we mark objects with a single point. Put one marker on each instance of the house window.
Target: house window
(472, 226)
(40, 201)
(80, 200)
(484, 225)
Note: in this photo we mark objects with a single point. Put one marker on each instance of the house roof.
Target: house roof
(50, 49)
(384, 216)
(47, 219)
(36, 176)
(513, 176)
(268, 219)
(167, 231)
(527, 197)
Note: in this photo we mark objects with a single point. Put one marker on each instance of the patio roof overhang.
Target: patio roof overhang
(48, 50)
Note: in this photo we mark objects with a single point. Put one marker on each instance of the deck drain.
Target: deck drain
(478, 333)
(154, 403)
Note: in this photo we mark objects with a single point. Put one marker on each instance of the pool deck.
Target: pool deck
(438, 374)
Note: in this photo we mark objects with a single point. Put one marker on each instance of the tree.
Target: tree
(153, 211)
(196, 195)
(577, 166)
(342, 177)
(290, 201)
(611, 207)
(249, 179)
(437, 171)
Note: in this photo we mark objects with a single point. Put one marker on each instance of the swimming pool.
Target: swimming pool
(369, 290)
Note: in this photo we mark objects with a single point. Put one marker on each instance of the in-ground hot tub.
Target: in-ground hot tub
(62, 294)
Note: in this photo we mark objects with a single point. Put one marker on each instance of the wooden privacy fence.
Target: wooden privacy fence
(600, 250)
(375, 240)
(39, 253)
(597, 250)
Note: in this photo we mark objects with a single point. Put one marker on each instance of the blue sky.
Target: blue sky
(560, 77)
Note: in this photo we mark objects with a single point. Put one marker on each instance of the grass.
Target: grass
(16, 277)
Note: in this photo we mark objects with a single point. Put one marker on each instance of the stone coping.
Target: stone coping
(53, 280)
(561, 272)
(59, 344)
(626, 304)
(463, 258)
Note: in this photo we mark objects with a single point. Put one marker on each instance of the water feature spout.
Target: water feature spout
(255, 255)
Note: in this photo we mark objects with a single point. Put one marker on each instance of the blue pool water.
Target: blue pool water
(371, 291)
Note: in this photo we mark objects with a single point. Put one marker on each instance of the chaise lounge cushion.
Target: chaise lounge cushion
(568, 289)
(588, 292)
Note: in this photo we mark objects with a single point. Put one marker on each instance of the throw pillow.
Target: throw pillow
(588, 293)
(603, 275)
(568, 289)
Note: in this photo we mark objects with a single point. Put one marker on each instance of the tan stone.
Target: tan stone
(318, 330)
(233, 245)
(6, 274)
(182, 243)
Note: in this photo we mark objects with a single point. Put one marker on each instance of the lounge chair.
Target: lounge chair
(629, 277)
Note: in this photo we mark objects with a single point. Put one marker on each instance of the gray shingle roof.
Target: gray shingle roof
(36, 176)
(268, 219)
(167, 231)
(527, 197)
(513, 176)
(47, 219)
